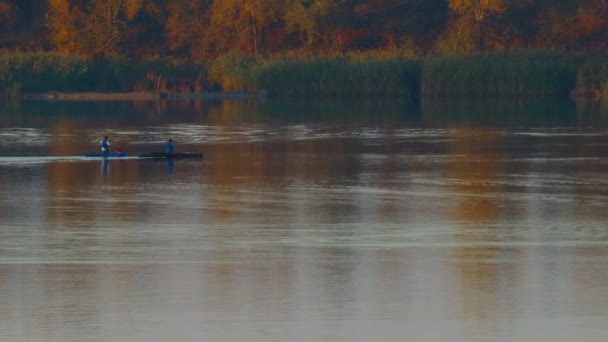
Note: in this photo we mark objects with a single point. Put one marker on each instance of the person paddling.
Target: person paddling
(105, 145)
(170, 146)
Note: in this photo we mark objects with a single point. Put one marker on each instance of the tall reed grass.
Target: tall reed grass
(40, 71)
(342, 76)
(507, 74)
(592, 78)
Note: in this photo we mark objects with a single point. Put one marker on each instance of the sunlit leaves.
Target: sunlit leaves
(243, 21)
(300, 19)
(95, 27)
(62, 21)
(186, 26)
(132, 8)
(208, 28)
(478, 8)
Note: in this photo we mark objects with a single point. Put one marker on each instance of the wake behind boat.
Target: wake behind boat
(114, 154)
(164, 155)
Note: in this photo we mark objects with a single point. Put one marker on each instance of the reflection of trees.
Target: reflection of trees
(251, 196)
(78, 185)
(68, 180)
(473, 171)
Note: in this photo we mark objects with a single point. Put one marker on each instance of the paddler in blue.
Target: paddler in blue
(105, 145)
(169, 147)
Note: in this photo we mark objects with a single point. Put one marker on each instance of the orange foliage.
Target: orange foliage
(207, 28)
(132, 7)
(591, 21)
(479, 8)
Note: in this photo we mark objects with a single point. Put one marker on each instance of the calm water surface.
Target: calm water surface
(305, 221)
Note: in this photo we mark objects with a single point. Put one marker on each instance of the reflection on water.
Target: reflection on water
(305, 221)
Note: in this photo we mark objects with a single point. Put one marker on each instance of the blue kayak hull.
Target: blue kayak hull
(106, 155)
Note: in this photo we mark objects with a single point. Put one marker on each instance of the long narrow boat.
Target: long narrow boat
(163, 155)
(106, 155)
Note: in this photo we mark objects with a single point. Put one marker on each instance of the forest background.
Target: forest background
(311, 47)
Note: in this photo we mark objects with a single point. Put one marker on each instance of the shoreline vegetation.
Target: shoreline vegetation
(57, 77)
(136, 96)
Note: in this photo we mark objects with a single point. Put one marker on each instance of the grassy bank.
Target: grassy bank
(534, 74)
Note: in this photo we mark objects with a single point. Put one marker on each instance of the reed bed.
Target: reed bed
(508, 74)
(592, 78)
(342, 76)
(40, 72)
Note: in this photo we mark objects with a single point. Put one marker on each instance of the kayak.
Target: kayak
(163, 155)
(106, 155)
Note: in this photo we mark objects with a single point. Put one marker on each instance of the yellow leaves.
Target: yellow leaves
(132, 8)
(262, 10)
(243, 22)
(297, 18)
(462, 6)
(91, 27)
(477, 8)
(62, 6)
(60, 21)
(493, 5)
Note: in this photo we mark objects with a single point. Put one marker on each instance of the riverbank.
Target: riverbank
(138, 96)
(520, 74)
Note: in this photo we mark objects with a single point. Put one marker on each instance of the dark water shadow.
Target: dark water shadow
(429, 112)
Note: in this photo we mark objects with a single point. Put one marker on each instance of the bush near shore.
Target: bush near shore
(528, 73)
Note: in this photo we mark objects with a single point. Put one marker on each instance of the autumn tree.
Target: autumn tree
(62, 21)
(592, 23)
(405, 24)
(324, 25)
(95, 27)
(207, 28)
(187, 26)
(300, 19)
(472, 25)
(571, 24)
(240, 24)
(8, 15)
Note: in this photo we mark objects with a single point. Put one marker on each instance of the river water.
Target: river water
(338, 220)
